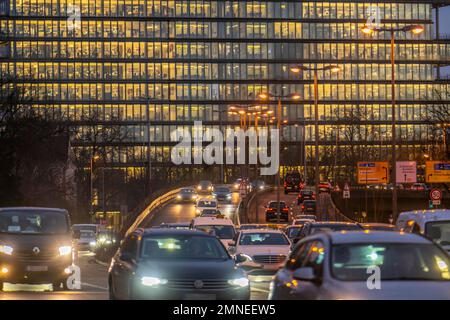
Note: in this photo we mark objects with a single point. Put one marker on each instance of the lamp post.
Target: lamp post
(315, 70)
(267, 96)
(414, 29)
(94, 158)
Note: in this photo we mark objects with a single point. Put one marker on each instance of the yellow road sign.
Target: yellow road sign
(437, 171)
(373, 172)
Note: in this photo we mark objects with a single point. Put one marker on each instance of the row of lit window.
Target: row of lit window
(198, 30)
(242, 9)
(226, 92)
(193, 112)
(207, 71)
(227, 50)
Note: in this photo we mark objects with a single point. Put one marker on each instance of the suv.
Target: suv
(309, 207)
(35, 246)
(272, 214)
(292, 182)
(305, 195)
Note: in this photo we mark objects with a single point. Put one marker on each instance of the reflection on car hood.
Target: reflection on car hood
(391, 290)
(261, 250)
(188, 269)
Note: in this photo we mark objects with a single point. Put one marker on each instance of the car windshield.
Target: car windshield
(439, 231)
(182, 247)
(294, 232)
(210, 211)
(223, 190)
(334, 227)
(263, 239)
(85, 227)
(350, 262)
(188, 191)
(306, 193)
(221, 231)
(204, 183)
(309, 203)
(33, 222)
(275, 205)
(207, 204)
(87, 234)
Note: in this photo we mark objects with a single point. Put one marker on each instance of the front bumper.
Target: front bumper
(35, 272)
(254, 269)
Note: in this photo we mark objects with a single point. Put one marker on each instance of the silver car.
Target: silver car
(366, 265)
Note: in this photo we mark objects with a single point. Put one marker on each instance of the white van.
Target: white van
(435, 224)
(220, 226)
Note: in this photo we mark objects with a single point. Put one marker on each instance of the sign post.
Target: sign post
(437, 171)
(435, 197)
(373, 172)
(346, 193)
(406, 171)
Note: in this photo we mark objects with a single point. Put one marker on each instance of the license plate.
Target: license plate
(199, 296)
(37, 268)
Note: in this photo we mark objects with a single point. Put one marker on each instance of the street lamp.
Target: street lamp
(94, 158)
(333, 69)
(267, 96)
(414, 29)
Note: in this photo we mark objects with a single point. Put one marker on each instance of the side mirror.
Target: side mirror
(125, 256)
(240, 258)
(232, 250)
(304, 274)
(232, 243)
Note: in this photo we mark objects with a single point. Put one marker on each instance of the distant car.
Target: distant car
(305, 195)
(292, 182)
(187, 195)
(260, 252)
(307, 217)
(327, 226)
(336, 265)
(301, 222)
(179, 225)
(272, 214)
(244, 182)
(175, 265)
(220, 226)
(222, 193)
(205, 187)
(258, 185)
(86, 240)
(205, 203)
(210, 213)
(325, 187)
(419, 187)
(308, 207)
(378, 226)
(293, 232)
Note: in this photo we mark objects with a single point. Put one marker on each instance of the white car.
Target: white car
(205, 203)
(260, 251)
(220, 226)
(364, 265)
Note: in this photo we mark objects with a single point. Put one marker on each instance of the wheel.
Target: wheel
(60, 285)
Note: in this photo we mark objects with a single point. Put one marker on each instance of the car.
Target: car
(419, 187)
(340, 265)
(86, 227)
(258, 185)
(250, 226)
(219, 226)
(240, 183)
(305, 195)
(86, 240)
(293, 232)
(210, 213)
(260, 252)
(325, 186)
(205, 203)
(177, 225)
(204, 187)
(306, 217)
(187, 195)
(222, 193)
(292, 182)
(327, 226)
(435, 224)
(378, 226)
(273, 214)
(301, 222)
(36, 246)
(177, 265)
(308, 207)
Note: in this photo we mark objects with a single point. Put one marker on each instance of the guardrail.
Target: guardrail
(152, 206)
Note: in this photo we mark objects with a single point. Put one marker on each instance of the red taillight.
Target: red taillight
(303, 207)
(285, 209)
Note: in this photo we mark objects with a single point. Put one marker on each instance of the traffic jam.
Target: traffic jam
(212, 256)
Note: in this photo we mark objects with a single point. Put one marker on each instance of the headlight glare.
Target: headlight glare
(65, 250)
(152, 281)
(6, 249)
(239, 282)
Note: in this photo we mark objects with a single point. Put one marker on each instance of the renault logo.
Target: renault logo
(36, 250)
(198, 284)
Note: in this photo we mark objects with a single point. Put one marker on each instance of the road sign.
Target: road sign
(346, 194)
(406, 171)
(373, 172)
(437, 171)
(435, 194)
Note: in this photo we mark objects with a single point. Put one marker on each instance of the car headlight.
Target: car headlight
(239, 282)
(92, 243)
(152, 281)
(194, 197)
(6, 249)
(65, 250)
(199, 188)
(178, 197)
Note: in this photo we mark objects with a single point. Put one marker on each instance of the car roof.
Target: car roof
(168, 231)
(377, 224)
(31, 209)
(212, 220)
(342, 237)
(332, 223)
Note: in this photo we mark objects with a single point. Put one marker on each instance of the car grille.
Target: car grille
(210, 284)
(269, 258)
(29, 256)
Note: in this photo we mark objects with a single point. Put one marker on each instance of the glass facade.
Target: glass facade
(167, 63)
